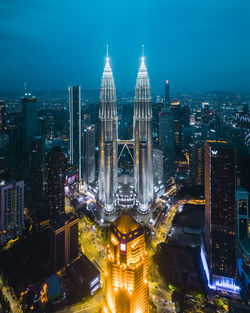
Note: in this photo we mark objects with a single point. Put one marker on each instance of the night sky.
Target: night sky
(199, 45)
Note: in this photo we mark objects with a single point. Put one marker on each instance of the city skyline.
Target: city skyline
(206, 49)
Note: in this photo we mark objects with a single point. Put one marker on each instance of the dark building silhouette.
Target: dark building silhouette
(56, 181)
(177, 113)
(63, 241)
(220, 241)
(197, 162)
(75, 126)
(166, 136)
(3, 115)
(30, 118)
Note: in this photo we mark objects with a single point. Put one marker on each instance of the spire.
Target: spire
(142, 81)
(107, 77)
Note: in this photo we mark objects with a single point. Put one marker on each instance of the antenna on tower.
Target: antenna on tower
(107, 46)
(25, 86)
(142, 48)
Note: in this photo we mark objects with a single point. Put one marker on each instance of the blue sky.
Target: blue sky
(199, 45)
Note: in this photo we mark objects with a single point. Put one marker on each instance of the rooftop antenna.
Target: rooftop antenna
(107, 46)
(142, 48)
(25, 86)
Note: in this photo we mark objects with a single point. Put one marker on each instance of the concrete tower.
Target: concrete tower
(108, 139)
(143, 167)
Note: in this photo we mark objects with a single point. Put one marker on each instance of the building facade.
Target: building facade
(11, 210)
(107, 179)
(143, 155)
(219, 247)
(127, 268)
(75, 127)
(88, 156)
(56, 181)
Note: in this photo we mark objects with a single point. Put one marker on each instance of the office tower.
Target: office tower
(245, 108)
(197, 162)
(63, 241)
(37, 185)
(56, 181)
(166, 136)
(127, 268)
(205, 113)
(75, 127)
(143, 163)
(218, 251)
(167, 96)
(88, 155)
(243, 238)
(3, 113)
(192, 120)
(157, 167)
(243, 213)
(107, 179)
(12, 210)
(30, 119)
(176, 109)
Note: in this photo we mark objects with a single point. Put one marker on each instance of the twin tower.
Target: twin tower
(142, 140)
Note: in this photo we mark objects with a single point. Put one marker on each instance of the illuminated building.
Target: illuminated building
(30, 119)
(88, 155)
(143, 163)
(176, 109)
(107, 179)
(63, 240)
(56, 181)
(197, 163)
(219, 246)
(158, 167)
(167, 143)
(11, 210)
(205, 111)
(243, 237)
(75, 126)
(127, 268)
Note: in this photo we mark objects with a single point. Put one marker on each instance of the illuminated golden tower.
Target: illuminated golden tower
(127, 268)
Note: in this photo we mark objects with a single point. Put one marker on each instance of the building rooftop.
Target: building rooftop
(126, 224)
(62, 220)
(54, 288)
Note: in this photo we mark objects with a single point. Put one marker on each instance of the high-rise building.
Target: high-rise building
(88, 155)
(157, 167)
(75, 126)
(11, 210)
(218, 250)
(176, 109)
(2, 117)
(143, 163)
(37, 179)
(243, 213)
(107, 179)
(56, 181)
(30, 118)
(127, 268)
(63, 241)
(205, 113)
(197, 162)
(243, 239)
(167, 142)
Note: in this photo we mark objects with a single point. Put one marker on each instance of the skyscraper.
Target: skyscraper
(107, 179)
(176, 109)
(158, 167)
(197, 162)
(143, 163)
(88, 155)
(75, 126)
(167, 96)
(127, 268)
(218, 251)
(56, 181)
(30, 119)
(11, 210)
(167, 143)
(205, 111)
